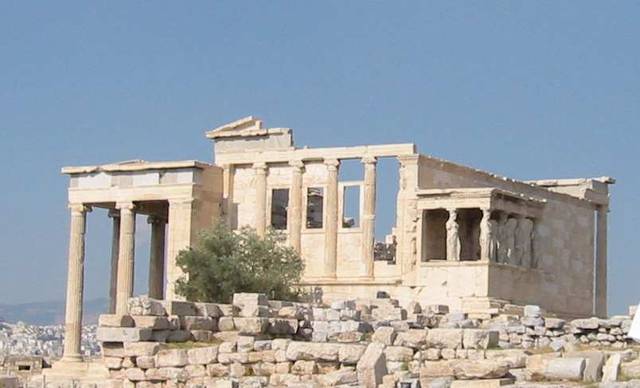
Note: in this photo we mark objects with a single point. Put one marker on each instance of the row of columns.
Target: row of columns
(122, 268)
(331, 212)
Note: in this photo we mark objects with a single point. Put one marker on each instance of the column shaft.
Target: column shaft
(369, 215)
(115, 245)
(261, 198)
(331, 217)
(125, 256)
(75, 284)
(601, 263)
(295, 205)
(453, 236)
(485, 235)
(156, 258)
(181, 226)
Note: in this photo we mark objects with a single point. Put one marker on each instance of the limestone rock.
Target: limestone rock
(172, 358)
(444, 338)
(479, 369)
(398, 353)
(413, 338)
(384, 335)
(480, 339)
(251, 326)
(372, 366)
(207, 355)
(350, 354)
(571, 368)
(143, 305)
(431, 369)
(611, 368)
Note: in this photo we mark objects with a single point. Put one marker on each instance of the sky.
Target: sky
(530, 90)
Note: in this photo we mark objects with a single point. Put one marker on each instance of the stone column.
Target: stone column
(600, 296)
(156, 258)
(295, 205)
(485, 235)
(75, 283)
(125, 256)
(368, 214)
(227, 194)
(261, 198)
(115, 245)
(453, 236)
(331, 219)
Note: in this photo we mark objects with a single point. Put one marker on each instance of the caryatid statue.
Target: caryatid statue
(453, 236)
(510, 240)
(524, 239)
(488, 234)
(501, 237)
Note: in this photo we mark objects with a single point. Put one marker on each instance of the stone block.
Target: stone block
(112, 362)
(245, 343)
(217, 370)
(594, 361)
(389, 314)
(343, 304)
(479, 369)
(135, 374)
(433, 369)
(490, 383)
(115, 320)
(536, 364)
(565, 369)
(586, 324)
(135, 349)
(533, 321)
(398, 353)
(251, 326)
(437, 309)
(180, 308)
(172, 358)
(554, 323)
(146, 362)
(195, 371)
(611, 369)
(312, 351)
(143, 305)
(122, 334)
(179, 336)
(350, 354)
(513, 358)
(341, 377)
(282, 326)
(112, 349)
(532, 311)
(302, 367)
(9, 382)
(153, 322)
(291, 312)
(372, 366)
(384, 335)
(202, 356)
(226, 324)
(444, 338)
(201, 335)
(198, 323)
(480, 339)
(241, 299)
(413, 338)
(208, 309)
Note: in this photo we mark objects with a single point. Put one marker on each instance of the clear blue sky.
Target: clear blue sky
(530, 90)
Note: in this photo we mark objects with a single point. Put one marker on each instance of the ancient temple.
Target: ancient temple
(462, 237)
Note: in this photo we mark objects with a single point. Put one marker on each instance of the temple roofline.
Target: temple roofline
(135, 165)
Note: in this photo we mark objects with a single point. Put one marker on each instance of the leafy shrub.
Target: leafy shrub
(224, 262)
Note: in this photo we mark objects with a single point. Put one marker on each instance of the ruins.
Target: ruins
(463, 237)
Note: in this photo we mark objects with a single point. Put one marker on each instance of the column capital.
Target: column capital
(297, 165)
(126, 205)
(154, 219)
(408, 159)
(332, 164)
(80, 208)
(260, 167)
(369, 160)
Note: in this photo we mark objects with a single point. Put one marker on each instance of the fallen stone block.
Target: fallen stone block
(491, 383)
(398, 353)
(537, 363)
(340, 377)
(122, 334)
(350, 354)
(594, 361)
(172, 358)
(384, 335)
(532, 311)
(413, 338)
(586, 324)
(565, 369)
(433, 369)
(143, 305)
(251, 326)
(207, 355)
(479, 369)
(389, 314)
(151, 322)
(180, 308)
(611, 369)
(115, 320)
(372, 366)
(513, 358)
(208, 309)
(480, 339)
(135, 349)
(445, 338)
(198, 323)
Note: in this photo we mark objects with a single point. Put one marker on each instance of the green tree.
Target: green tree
(224, 262)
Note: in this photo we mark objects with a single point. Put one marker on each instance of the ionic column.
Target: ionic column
(125, 256)
(601, 262)
(156, 258)
(295, 205)
(115, 245)
(368, 214)
(453, 236)
(261, 198)
(75, 283)
(331, 218)
(180, 236)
